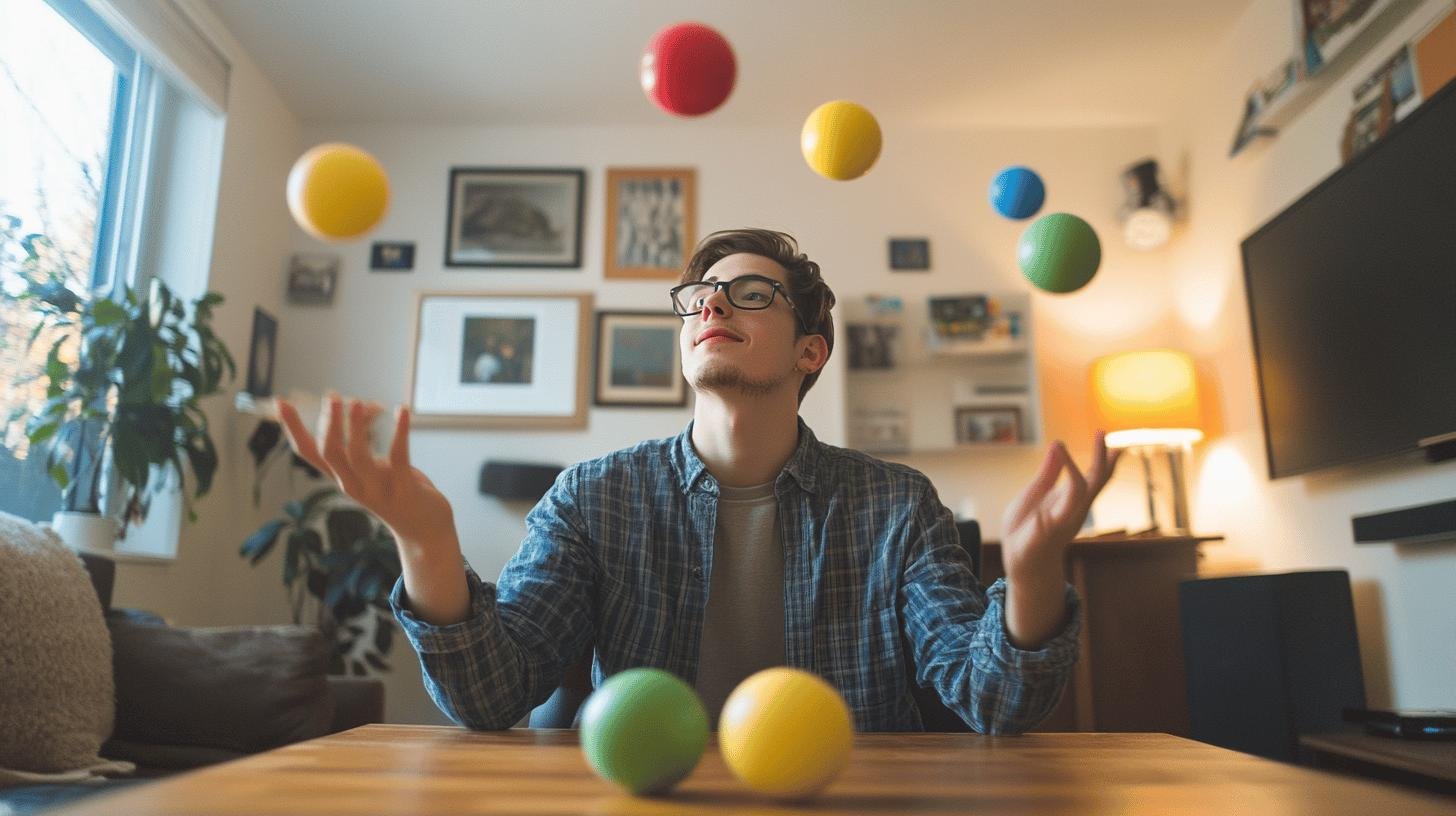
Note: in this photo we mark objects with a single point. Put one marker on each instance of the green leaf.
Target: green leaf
(60, 476)
(261, 542)
(106, 312)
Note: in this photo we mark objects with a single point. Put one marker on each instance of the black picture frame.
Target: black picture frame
(515, 217)
(262, 354)
(392, 256)
(312, 278)
(910, 254)
(656, 369)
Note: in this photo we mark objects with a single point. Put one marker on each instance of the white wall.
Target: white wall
(1406, 620)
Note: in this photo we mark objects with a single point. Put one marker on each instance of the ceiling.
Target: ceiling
(1041, 63)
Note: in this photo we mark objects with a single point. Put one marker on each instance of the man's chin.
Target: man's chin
(730, 379)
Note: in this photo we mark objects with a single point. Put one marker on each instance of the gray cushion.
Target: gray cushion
(236, 688)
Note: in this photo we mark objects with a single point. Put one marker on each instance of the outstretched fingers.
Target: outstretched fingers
(1041, 484)
(332, 431)
(399, 456)
(302, 441)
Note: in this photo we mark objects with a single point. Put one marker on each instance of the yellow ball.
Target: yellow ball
(840, 140)
(337, 192)
(785, 732)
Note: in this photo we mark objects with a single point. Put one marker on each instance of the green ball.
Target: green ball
(644, 730)
(1059, 253)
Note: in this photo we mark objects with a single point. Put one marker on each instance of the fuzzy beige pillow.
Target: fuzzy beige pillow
(56, 689)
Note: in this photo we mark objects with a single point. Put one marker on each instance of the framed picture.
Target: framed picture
(910, 254)
(260, 354)
(651, 221)
(515, 217)
(988, 424)
(494, 360)
(392, 255)
(1327, 28)
(872, 345)
(312, 278)
(639, 361)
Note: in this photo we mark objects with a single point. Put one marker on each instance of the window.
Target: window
(103, 145)
(65, 100)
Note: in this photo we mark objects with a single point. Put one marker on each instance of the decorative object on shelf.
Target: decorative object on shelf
(312, 278)
(639, 362)
(1264, 93)
(1390, 92)
(515, 217)
(392, 256)
(1436, 53)
(261, 352)
(651, 221)
(688, 69)
(1017, 193)
(1148, 209)
(1327, 28)
(960, 317)
(840, 140)
(872, 345)
(1148, 400)
(988, 424)
(495, 360)
(125, 377)
(1059, 253)
(337, 192)
(345, 561)
(910, 254)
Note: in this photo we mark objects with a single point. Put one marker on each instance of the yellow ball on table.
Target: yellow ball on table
(785, 732)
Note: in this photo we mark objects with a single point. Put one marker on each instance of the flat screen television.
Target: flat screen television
(1352, 302)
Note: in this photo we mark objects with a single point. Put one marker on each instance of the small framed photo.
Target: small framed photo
(651, 221)
(639, 361)
(988, 424)
(312, 278)
(394, 256)
(261, 352)
(492, 360)
(910, 254)
(515, 217)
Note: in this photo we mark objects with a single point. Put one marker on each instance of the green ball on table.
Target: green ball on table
(644, 730)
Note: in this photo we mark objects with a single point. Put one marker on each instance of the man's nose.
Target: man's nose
(715, 303)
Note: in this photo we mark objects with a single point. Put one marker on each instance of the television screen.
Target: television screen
(1352, 302)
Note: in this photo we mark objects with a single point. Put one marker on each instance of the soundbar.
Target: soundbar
(1420, 524)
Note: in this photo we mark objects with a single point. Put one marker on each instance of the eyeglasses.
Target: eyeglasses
(749, 292)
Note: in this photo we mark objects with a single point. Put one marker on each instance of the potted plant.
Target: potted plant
(344, 559)
(124, 378)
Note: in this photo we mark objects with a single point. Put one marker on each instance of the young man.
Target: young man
(741, 543)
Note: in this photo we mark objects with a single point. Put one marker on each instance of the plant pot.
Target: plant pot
(87, 532)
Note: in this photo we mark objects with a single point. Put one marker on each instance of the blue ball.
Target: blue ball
(1017, 192)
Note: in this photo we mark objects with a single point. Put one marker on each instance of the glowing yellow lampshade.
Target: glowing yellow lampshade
(1147, 398)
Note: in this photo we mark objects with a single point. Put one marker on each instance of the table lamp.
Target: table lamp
(1148, 401)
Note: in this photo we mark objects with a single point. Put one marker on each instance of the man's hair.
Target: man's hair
(811, 295)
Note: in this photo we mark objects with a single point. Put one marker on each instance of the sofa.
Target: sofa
(187, 698)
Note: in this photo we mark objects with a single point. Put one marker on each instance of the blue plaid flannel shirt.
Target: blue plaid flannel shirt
(618, 557)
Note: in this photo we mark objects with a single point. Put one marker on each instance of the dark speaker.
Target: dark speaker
(517, 481)
(1269, 657)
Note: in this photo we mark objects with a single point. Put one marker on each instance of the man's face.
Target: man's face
(748, 351)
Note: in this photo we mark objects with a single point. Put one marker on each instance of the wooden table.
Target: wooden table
(395, 769)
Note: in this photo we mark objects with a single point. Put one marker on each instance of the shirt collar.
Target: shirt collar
(803, 465)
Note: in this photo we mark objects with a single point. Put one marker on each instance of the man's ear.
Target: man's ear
(813, 353)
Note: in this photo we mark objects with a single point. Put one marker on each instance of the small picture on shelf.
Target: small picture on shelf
(1381, 100)
(982, 424)
(1327, 27)
(961, 317)
(872, 346)
(880, 431)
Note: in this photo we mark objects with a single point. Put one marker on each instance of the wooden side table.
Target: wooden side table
(1130, 674)
(1427, 764)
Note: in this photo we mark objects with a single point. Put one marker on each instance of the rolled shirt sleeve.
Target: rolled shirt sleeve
(487, 671)
(958, 637)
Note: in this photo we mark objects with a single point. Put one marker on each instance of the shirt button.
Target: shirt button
(698, 572)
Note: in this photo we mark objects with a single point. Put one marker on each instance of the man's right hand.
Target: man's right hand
(402, 497)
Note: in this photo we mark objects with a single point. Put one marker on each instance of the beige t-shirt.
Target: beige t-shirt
(743, 623)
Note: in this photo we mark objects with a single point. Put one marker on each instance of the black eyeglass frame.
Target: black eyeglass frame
(726, 287)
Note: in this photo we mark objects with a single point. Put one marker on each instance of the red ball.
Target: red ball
(688, 69)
